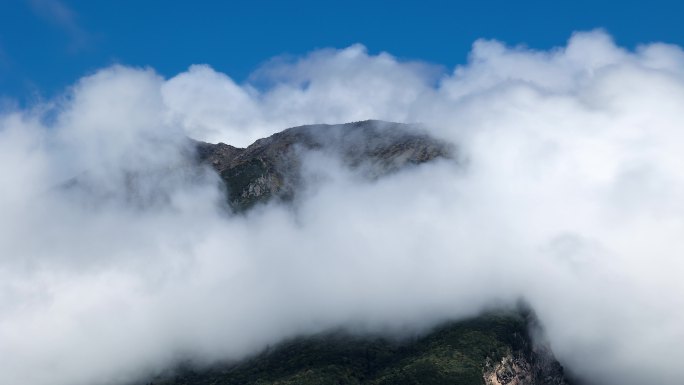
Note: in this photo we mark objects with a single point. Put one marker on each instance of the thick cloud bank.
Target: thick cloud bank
(570, 196)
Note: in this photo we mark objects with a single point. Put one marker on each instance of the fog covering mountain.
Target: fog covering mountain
(491, 349)
(120, 258)
(501, 346)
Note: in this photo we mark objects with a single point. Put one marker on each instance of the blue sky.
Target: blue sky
(46, 45)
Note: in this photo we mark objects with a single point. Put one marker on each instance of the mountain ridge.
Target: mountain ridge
(271, 167)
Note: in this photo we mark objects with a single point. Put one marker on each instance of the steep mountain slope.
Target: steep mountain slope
(271, 167)
(493, 349)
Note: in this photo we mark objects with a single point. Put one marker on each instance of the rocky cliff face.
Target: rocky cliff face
(270, 168)
(532, 365)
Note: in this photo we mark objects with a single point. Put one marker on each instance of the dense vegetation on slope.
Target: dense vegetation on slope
(455, 353)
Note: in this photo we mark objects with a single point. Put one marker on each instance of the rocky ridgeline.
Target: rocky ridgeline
(271, 168)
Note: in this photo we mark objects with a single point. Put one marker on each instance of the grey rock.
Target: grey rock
(271, 168)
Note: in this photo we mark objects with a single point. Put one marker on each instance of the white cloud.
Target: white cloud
(570, 198)
(58, 13)
(328, 86)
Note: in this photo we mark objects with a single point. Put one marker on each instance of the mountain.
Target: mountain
(270, 168)
(495, 348)
(492, 349)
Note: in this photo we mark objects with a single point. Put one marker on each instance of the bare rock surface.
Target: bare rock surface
(271, 167)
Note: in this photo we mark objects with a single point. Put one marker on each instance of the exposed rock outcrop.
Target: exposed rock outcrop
(534, 368)
(271, 167)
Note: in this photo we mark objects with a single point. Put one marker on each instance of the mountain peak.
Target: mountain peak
(271, 167)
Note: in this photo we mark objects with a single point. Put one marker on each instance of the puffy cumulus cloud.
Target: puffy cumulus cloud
(327, 86)
(569, 197)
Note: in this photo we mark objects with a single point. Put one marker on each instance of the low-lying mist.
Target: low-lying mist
(567, 194)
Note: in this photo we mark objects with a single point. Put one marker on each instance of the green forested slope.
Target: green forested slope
(455, 353)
